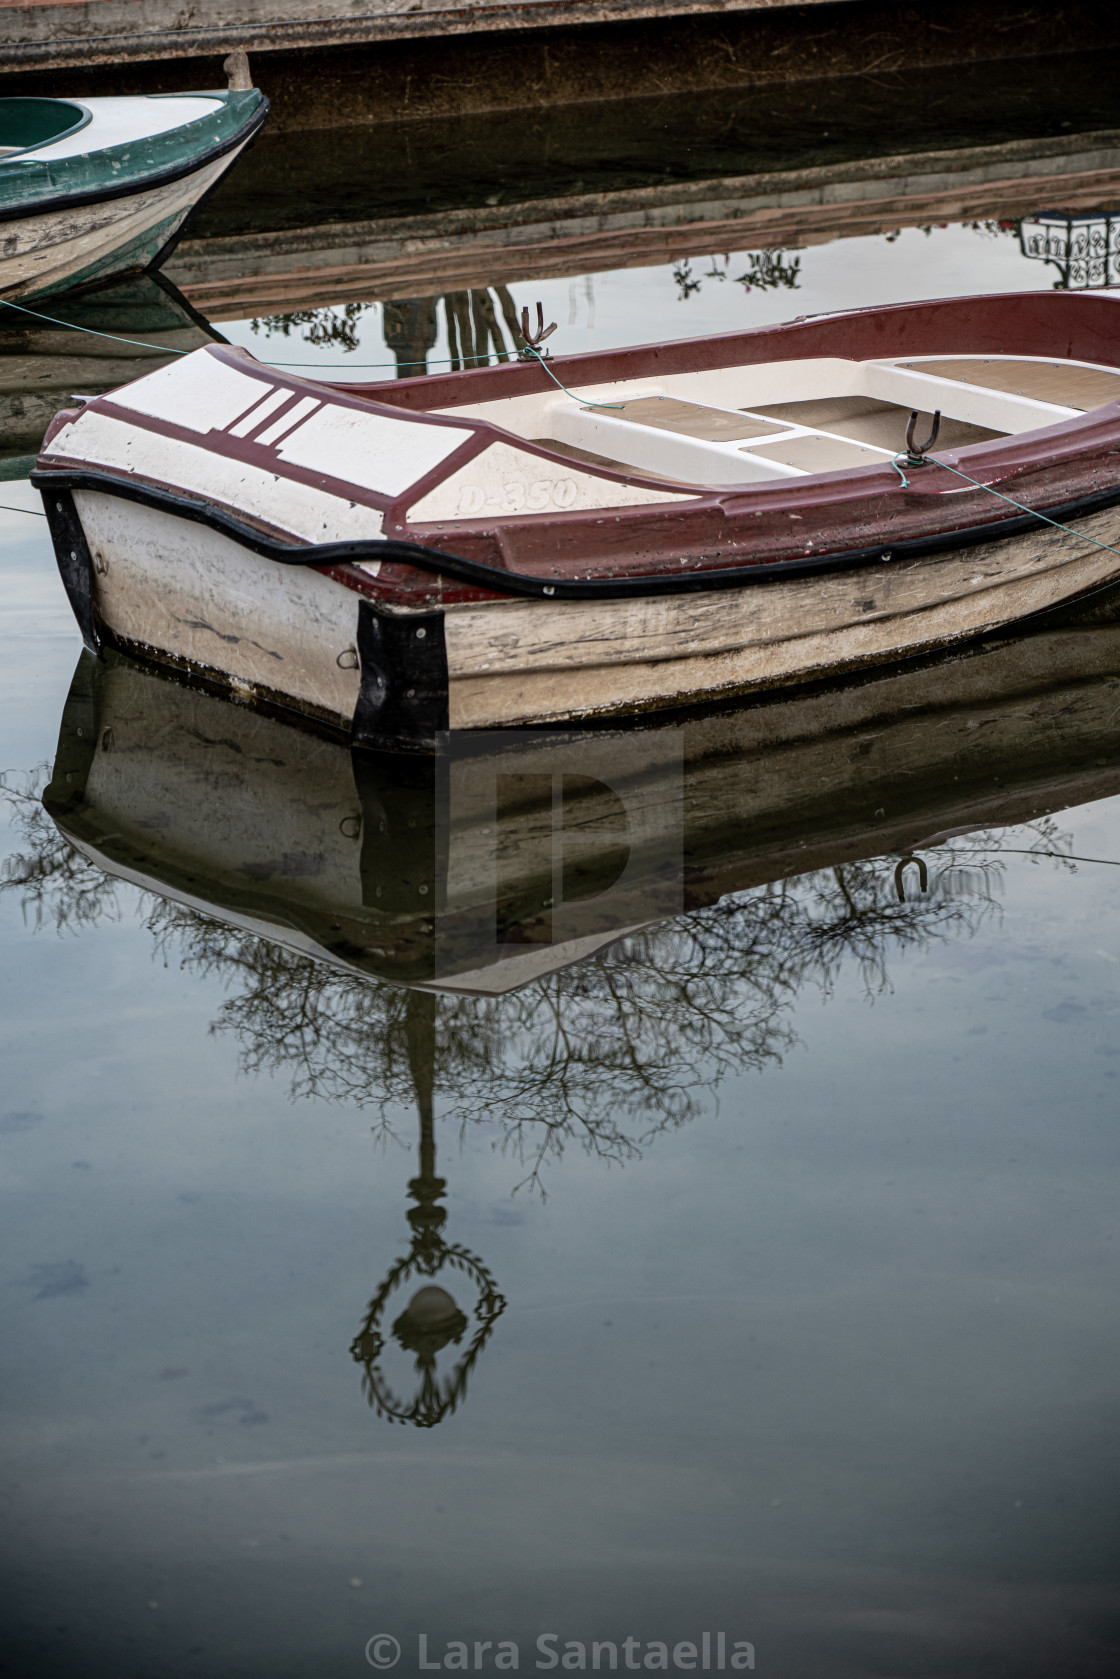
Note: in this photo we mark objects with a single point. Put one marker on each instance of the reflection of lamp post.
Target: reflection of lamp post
(432, 1319)
(1085, 249)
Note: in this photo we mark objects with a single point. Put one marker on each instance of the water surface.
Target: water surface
(783, 1222)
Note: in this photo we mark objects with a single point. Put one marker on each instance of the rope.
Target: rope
(533, 351)
(930, 460)
(71, 326)
(450, 360)
(1063, 856)
(164, 349)
(32, 512)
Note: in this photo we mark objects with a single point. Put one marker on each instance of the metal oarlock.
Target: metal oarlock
(534, 340)
(916, 452)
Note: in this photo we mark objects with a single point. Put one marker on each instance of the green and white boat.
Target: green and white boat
(96, 187)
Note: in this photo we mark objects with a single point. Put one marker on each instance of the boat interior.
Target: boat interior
(26, 124)
(55, 133)
(792, 419)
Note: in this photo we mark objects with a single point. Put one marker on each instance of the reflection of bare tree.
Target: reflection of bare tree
(608, 1053)
(56, 885)
(473, 327)
(770, 271)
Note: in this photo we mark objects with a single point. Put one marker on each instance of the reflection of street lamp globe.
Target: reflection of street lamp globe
(429, 1321)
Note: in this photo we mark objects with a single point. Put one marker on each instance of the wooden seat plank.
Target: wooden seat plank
(1061, 382)
(867, 419)
(690, 419)
(818, 454)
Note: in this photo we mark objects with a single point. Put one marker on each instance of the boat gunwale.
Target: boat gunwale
(1060, 465)
(1056, 444)
(330, 557)
(33, 207)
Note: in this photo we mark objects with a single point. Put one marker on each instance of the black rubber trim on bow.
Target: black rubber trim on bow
(495, 579)
(75, 565)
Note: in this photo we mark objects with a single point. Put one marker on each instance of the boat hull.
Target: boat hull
(54, 250)
(309, 640)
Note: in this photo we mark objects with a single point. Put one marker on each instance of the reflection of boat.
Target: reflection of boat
(497, 860)
(102, 186)
(42, 363)
(692, 520)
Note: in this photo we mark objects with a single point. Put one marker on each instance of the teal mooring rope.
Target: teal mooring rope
(165, 350)
(94, 332)
(531, 350)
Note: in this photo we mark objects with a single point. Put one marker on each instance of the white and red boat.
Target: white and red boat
(679, 523)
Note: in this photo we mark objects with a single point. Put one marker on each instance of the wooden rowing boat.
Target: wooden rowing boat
(668, 525)
(96, 187)
(503, 857)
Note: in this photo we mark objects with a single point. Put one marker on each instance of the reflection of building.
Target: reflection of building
(1084, 248)
(473, 329)
(561, 229)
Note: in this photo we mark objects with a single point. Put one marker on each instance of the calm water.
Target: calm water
(780, 1193)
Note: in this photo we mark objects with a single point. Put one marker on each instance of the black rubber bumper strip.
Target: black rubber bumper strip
(498, 581)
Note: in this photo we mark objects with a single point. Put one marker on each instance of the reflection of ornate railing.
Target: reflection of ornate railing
(1084, 249)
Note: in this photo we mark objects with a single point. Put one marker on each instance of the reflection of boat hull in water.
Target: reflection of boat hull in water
(43, 363)
(498, 860)
(691, 522)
